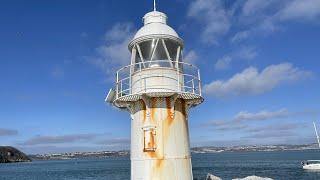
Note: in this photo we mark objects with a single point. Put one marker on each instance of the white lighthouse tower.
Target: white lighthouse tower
(158, 89)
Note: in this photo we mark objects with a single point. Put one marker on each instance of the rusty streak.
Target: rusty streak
(144, 111)
(169, 113)
(153, 109)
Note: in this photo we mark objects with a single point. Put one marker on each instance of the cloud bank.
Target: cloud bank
(114, 53)
(44, 140)
(252, 82)
(8, 132)
(262, 115)
(212, 15)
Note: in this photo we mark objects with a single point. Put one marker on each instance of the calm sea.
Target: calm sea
(276, 165)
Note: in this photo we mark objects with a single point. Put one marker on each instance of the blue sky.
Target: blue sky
(259, 63)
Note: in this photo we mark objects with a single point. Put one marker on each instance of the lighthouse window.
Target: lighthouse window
(146, 49)
(157, 53)
(172, 48)
(160, 55)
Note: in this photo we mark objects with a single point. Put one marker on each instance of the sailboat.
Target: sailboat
(312, 164)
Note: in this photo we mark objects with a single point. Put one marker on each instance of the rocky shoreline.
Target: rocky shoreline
(12, 155)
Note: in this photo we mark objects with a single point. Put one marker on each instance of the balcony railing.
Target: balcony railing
(183, 78)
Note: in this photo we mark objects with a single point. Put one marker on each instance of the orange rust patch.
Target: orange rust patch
(144, 111)
(169, 113)
(152, 154)
(153, 109)
(151, 143)
(159, 163)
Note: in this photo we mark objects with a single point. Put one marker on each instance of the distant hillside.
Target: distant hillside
(10, 155)
(253, 148)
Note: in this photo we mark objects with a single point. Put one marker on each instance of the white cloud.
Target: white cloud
(276, 127)
(251, 7)
(244, 53)
(252, 17)
(267, 16)
(243, 117)
(40, 140)
(262, 115)
(112, 142)
(223, 63)
(114, 52)
(251, 82)
(190, 57)
(224, 125)
(119, 32)
(213, 17)
(301, 10)
(271, 134)
(239, 36)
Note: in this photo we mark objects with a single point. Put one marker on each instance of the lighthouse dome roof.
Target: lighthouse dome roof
(155, 25)
(156, 29)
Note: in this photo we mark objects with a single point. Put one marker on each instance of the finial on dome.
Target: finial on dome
(154, 5)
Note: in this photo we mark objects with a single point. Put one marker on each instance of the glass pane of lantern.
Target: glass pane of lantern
(137, 61)
(147, 48)
(172, 48)
(160, 58)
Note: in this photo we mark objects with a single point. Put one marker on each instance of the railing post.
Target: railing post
(121, 88)
(178, 74)
(132, 66)
(192, 81)
(140, 80)
(117, 85)
(199, 79)
(130, 81)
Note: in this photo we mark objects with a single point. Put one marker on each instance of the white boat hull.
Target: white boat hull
(312, 166)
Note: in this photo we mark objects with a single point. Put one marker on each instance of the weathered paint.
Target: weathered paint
(171, 158)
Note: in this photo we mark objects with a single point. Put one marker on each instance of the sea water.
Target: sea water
(276, 165)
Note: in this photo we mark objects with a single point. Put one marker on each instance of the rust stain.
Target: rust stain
(152, 154)
(151, 143)
(169, 113)
(158, 159)
(159, 163)
(144, 111)
(156, 112)
(153, 109)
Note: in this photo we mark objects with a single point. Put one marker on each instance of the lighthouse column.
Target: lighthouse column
(160, 147)
(158, 89)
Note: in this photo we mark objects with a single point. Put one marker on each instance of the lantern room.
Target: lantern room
(156, 67)
(156, 44)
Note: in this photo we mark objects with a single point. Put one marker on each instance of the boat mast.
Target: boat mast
(315, 128)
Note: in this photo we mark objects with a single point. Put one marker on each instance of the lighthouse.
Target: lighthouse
(158, 89)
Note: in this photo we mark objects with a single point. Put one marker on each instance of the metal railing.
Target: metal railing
(187, 79)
